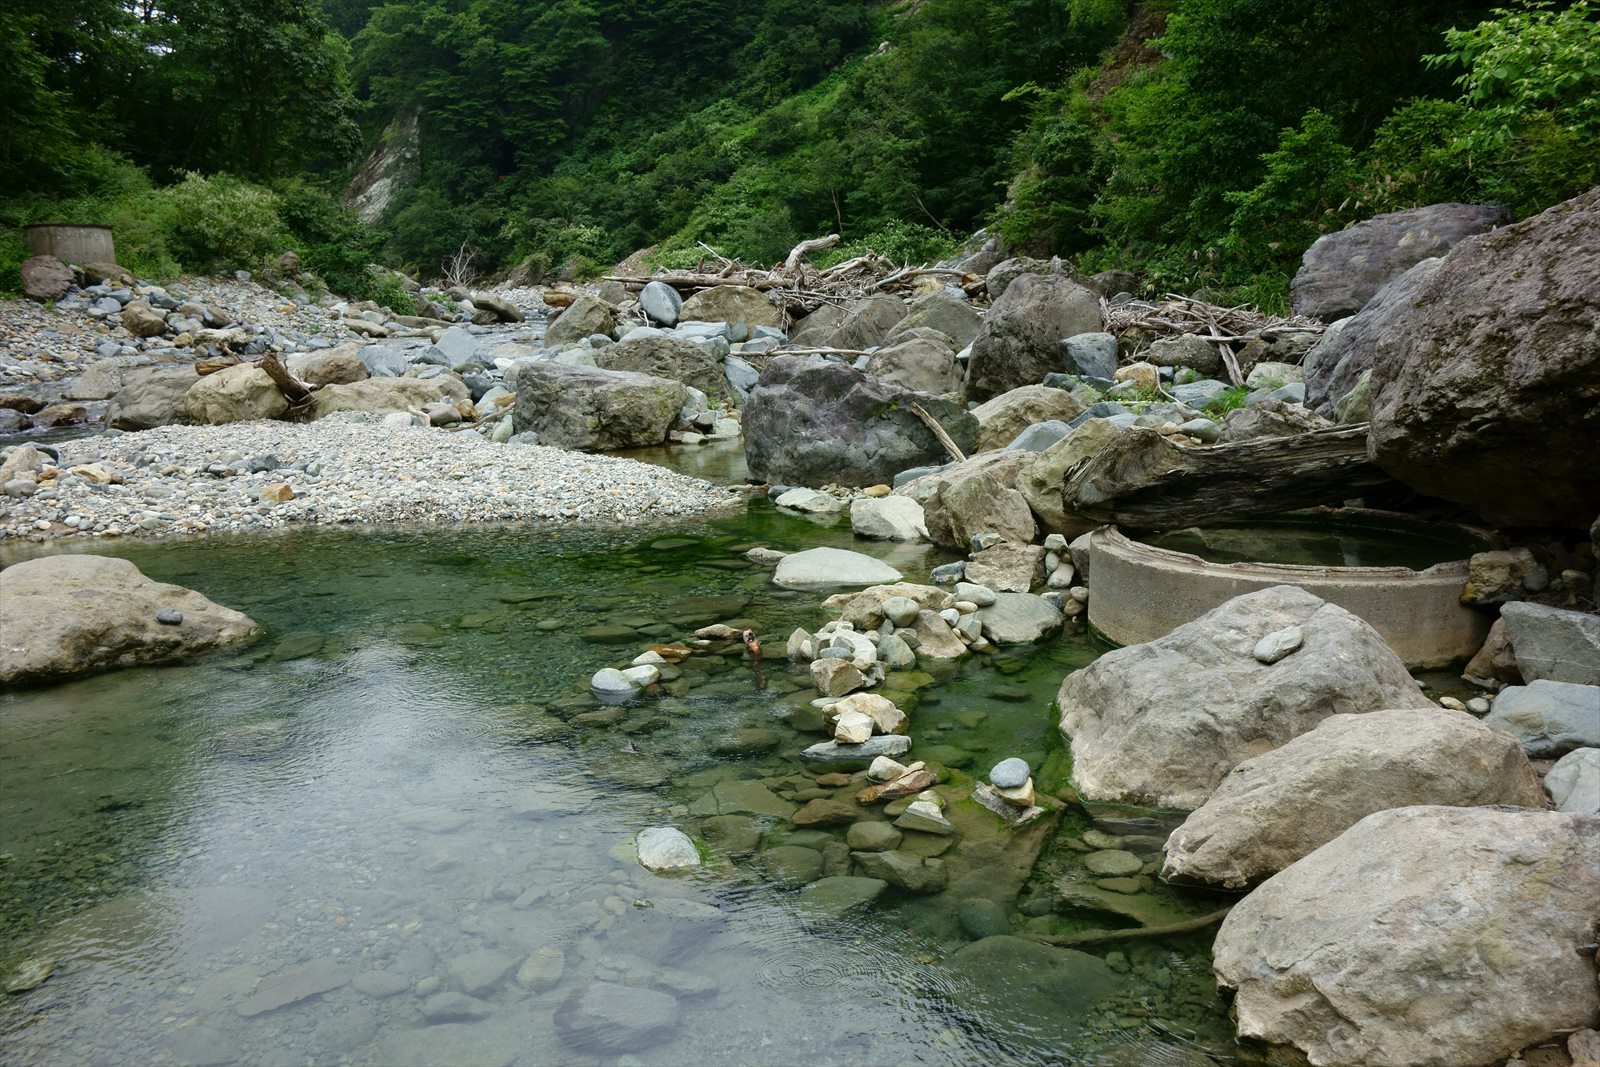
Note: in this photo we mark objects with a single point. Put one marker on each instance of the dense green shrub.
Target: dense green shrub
(1308, 190)
(225, 223)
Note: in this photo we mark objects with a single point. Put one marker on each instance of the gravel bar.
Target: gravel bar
(186, 480)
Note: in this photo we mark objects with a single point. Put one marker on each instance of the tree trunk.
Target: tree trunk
(1143, 481)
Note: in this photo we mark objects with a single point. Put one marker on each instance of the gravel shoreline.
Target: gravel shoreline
(187, 480)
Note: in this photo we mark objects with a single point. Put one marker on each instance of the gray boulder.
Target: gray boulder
(241, 393)
(814, 421)
(1342, 271)
(382, 361)
(817, 328)
(1001, 418)
(889, 518)
(1553, 643)
(1549, 718)
(942, 311)
(1431, 936)
(923, 361)
(74, 614)
(594, 410)
(1342, 356)
(737, 305)
(1020, 340)
(1275, 808)
(587, 315)
(1019, 619)
(667, 357)
(1185, 350)
(1040, 481)
(502, 309)
(1164, 722)
(330, 366)
(383, 396)
(1044, 985)
(817, 568)
(1574, 782)
(867, 322)
(1093, 355)
(977, 495)
(661, 303)
(1494, 372)
(1270, 418)
(150, 397)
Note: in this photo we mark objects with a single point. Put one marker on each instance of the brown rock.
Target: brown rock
(45, 278)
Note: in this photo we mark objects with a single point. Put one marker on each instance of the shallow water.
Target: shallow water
(431, 794)
(1327, 541)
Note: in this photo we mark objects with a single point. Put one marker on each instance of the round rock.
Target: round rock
(666, 848)
(1009, 773)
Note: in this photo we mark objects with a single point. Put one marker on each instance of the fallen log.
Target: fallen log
(1143, 481)
(1140, 933)
(296, 392)
(805, 248)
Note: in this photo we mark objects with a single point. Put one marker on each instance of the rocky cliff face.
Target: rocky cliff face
(392, 163)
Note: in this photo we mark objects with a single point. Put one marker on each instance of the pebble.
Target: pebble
(1009, 773)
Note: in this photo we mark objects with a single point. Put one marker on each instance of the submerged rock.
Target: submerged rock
(665, 848)
(611, 1019)
(79, 614)
(1435, 936)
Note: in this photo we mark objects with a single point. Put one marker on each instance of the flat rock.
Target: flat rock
(1549, 718)
(1019, 619)
(610, 1019)
(817, 568)
(839, 896)
(1044, 985)
(890, 518)
(833, 754)
(1553, 644)
(293, 985)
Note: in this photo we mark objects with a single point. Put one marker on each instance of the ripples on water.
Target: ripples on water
(178, 838)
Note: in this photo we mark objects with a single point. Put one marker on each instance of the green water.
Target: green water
(179, 839)
(1327, 541)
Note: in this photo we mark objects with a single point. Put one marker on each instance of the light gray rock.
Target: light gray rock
(923, 361)
(1164, 722)
(1000, 419)
(1093, 355)
(810, 502)
(1040, 436)
(1040, 481)
(661, 303)
(595, 410)
(585, 316)
(1010, 773)
(1553, 643)
(833, 754)
(1342, 356)
(1275, 808)
(867, 322)
(1549, 718)
(150, 397)
(665, 848)
(975, 496)
(1574, 782)
(943, 311)
(241, 393)
(667, 357)
(65, 615)
(1019, 619)
(1434, 936)
(1342, 271)
(382, 361)
(1278, 644)
(889, 518)
(817, 568)
(1020, 340)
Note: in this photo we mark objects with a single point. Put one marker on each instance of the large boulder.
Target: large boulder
(1549, 718)
(1493, 374)
(142, 320)
(661, 303)
(595, 410)
(924, 362)
(977, 495)
(502, 309)
(1343, 354)
(45, 278)
(733, 304)
(1342, 271)
(814, 421)
(150, 397)
(585, 316)
(1574, 781)
(331, 366)
(1040, 481)
(1164, 722)
(1284, 804)
(943, 311)
(667, 357)
(1553, 643)
(76, 614)
(1020, 340)
(816, 329)
(866, 322)
(1043, 985)
(1427, 936)
(382, 396)
(1003, 417)
(817, 568)
(240, 393)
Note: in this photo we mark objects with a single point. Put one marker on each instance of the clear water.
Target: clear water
(183, 841)
(1327, 541)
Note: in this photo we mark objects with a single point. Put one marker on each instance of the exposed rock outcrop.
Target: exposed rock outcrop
(595, 410)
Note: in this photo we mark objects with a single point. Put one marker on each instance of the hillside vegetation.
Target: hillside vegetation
(1201, 142)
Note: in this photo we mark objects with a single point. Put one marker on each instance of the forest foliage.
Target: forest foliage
(1201, 142)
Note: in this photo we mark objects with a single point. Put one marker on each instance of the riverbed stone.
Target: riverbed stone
(78, 614)
(1001, 418)
(733, 304)
(1019, 619)
(1113, 862)
(453, 1007)
(661, 303)
(1550, 719)
(1164, 722)
(833, 754)
(1553, 644)
(294, 984)
(697, 366)
(608, 1019)
(590, 409)
(584, 317)
(839, 896)
(873, 836)
(241, 393)
(914, 874)
(1019, 342)
(666, 848)
(1045, 985)
(793, 864)
(1009, 773)
(735, 835)
(1574, 781)
(1487, 903)
(822, 567)
(890, 518)
(824, 812)
(1007, 567)
(1277, 807)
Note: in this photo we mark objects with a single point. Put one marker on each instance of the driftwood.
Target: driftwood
(791, 262)
(1140, 933)
(938, 431)
(296, 392)
(1142, 480)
